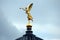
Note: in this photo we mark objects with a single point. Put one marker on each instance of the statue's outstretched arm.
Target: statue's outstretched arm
(23, 9)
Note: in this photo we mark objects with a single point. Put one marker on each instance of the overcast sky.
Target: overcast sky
(46, 16)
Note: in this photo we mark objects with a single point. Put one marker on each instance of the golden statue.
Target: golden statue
(27, 10)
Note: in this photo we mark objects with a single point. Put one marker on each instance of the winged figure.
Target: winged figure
(27, 10)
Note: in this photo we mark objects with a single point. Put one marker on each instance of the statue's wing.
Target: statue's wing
(30, 6)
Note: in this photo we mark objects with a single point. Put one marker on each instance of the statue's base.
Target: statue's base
(29, 25)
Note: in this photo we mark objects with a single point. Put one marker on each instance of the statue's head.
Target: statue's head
(26, 8)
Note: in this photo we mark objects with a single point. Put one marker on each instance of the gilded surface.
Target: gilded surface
(27, 10)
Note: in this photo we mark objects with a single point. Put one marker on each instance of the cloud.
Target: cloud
(7, 30)
(47, 31)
